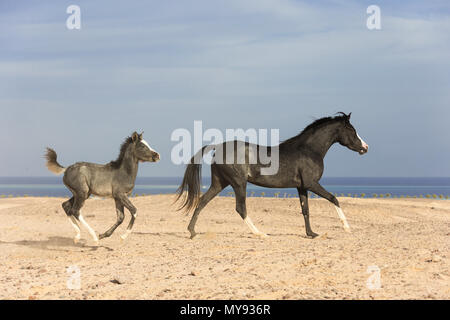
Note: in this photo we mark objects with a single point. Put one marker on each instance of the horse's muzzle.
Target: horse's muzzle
(364, 150)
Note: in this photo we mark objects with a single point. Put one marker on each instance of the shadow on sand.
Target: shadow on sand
(207, 235)
(53, 242)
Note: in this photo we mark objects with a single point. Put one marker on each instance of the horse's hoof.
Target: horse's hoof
(263, 235)
(348, 230)
(312, 235)
(76, 240)
(96, 242)
(193, 234)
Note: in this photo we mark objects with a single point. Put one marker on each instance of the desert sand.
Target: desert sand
(406, 242)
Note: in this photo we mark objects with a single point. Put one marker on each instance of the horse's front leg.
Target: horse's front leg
(127, 203)
(120, 217)
(303, 195)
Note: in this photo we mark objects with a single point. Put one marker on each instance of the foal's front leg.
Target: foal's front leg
(127, 203)
(120, 217)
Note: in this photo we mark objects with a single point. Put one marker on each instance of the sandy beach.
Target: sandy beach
(405, 241)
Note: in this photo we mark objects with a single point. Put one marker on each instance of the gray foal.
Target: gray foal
(115, 179)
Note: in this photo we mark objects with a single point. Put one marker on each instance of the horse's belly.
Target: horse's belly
(274, 182)
(286, 177)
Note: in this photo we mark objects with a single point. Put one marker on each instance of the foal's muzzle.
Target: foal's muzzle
(156, 157)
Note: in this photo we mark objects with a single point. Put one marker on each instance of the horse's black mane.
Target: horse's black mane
(123, 148)
(315, 125)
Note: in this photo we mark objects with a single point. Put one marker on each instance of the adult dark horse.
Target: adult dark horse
(115, 179)
(300, 166)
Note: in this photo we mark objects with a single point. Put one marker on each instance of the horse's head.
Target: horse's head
(142, 150)
(349, 138)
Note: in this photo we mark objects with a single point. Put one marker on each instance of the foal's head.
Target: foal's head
(142, 149)
(348, 137)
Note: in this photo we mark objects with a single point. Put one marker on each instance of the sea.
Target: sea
(373, 187)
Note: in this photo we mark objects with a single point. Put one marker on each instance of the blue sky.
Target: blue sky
(159, 65)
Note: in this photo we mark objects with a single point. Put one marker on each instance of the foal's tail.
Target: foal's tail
(191, 183)
(52, 164)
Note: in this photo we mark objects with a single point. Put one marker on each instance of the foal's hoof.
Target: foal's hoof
(347, 229)
(312, 235)
(125, 235)
(76, 240)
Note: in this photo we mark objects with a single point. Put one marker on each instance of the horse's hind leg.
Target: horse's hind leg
(319, 190)
(75, 211)
(67, 205)
(217, 185)
(120, 217)
(241, 208)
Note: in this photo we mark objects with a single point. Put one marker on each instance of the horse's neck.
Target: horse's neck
(321, 140)
(130, 165)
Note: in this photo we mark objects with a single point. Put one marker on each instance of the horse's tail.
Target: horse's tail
(191, 183)
(52, 163)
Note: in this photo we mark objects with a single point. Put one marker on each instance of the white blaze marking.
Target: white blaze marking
(365, 146)
(343, 218)
(74, 223)
(147, 145)
(90, 230)
(252, 227)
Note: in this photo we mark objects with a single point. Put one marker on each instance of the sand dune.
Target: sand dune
(406, 240)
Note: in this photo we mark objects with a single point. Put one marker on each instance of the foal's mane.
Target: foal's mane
(312, 127)
(123, 148)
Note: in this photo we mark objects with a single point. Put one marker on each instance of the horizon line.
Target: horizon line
(54, 176)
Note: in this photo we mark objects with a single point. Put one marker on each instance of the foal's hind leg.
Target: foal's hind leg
(75, 211)
(67, 205)
(120, 217)
(241, 208)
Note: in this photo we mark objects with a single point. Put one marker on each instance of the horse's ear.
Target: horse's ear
(134, 136)
(348, 117)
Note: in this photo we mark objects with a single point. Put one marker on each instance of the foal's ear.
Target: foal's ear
(134, 136)
(140, 136)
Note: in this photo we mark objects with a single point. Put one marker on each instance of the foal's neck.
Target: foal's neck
(130, 164)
